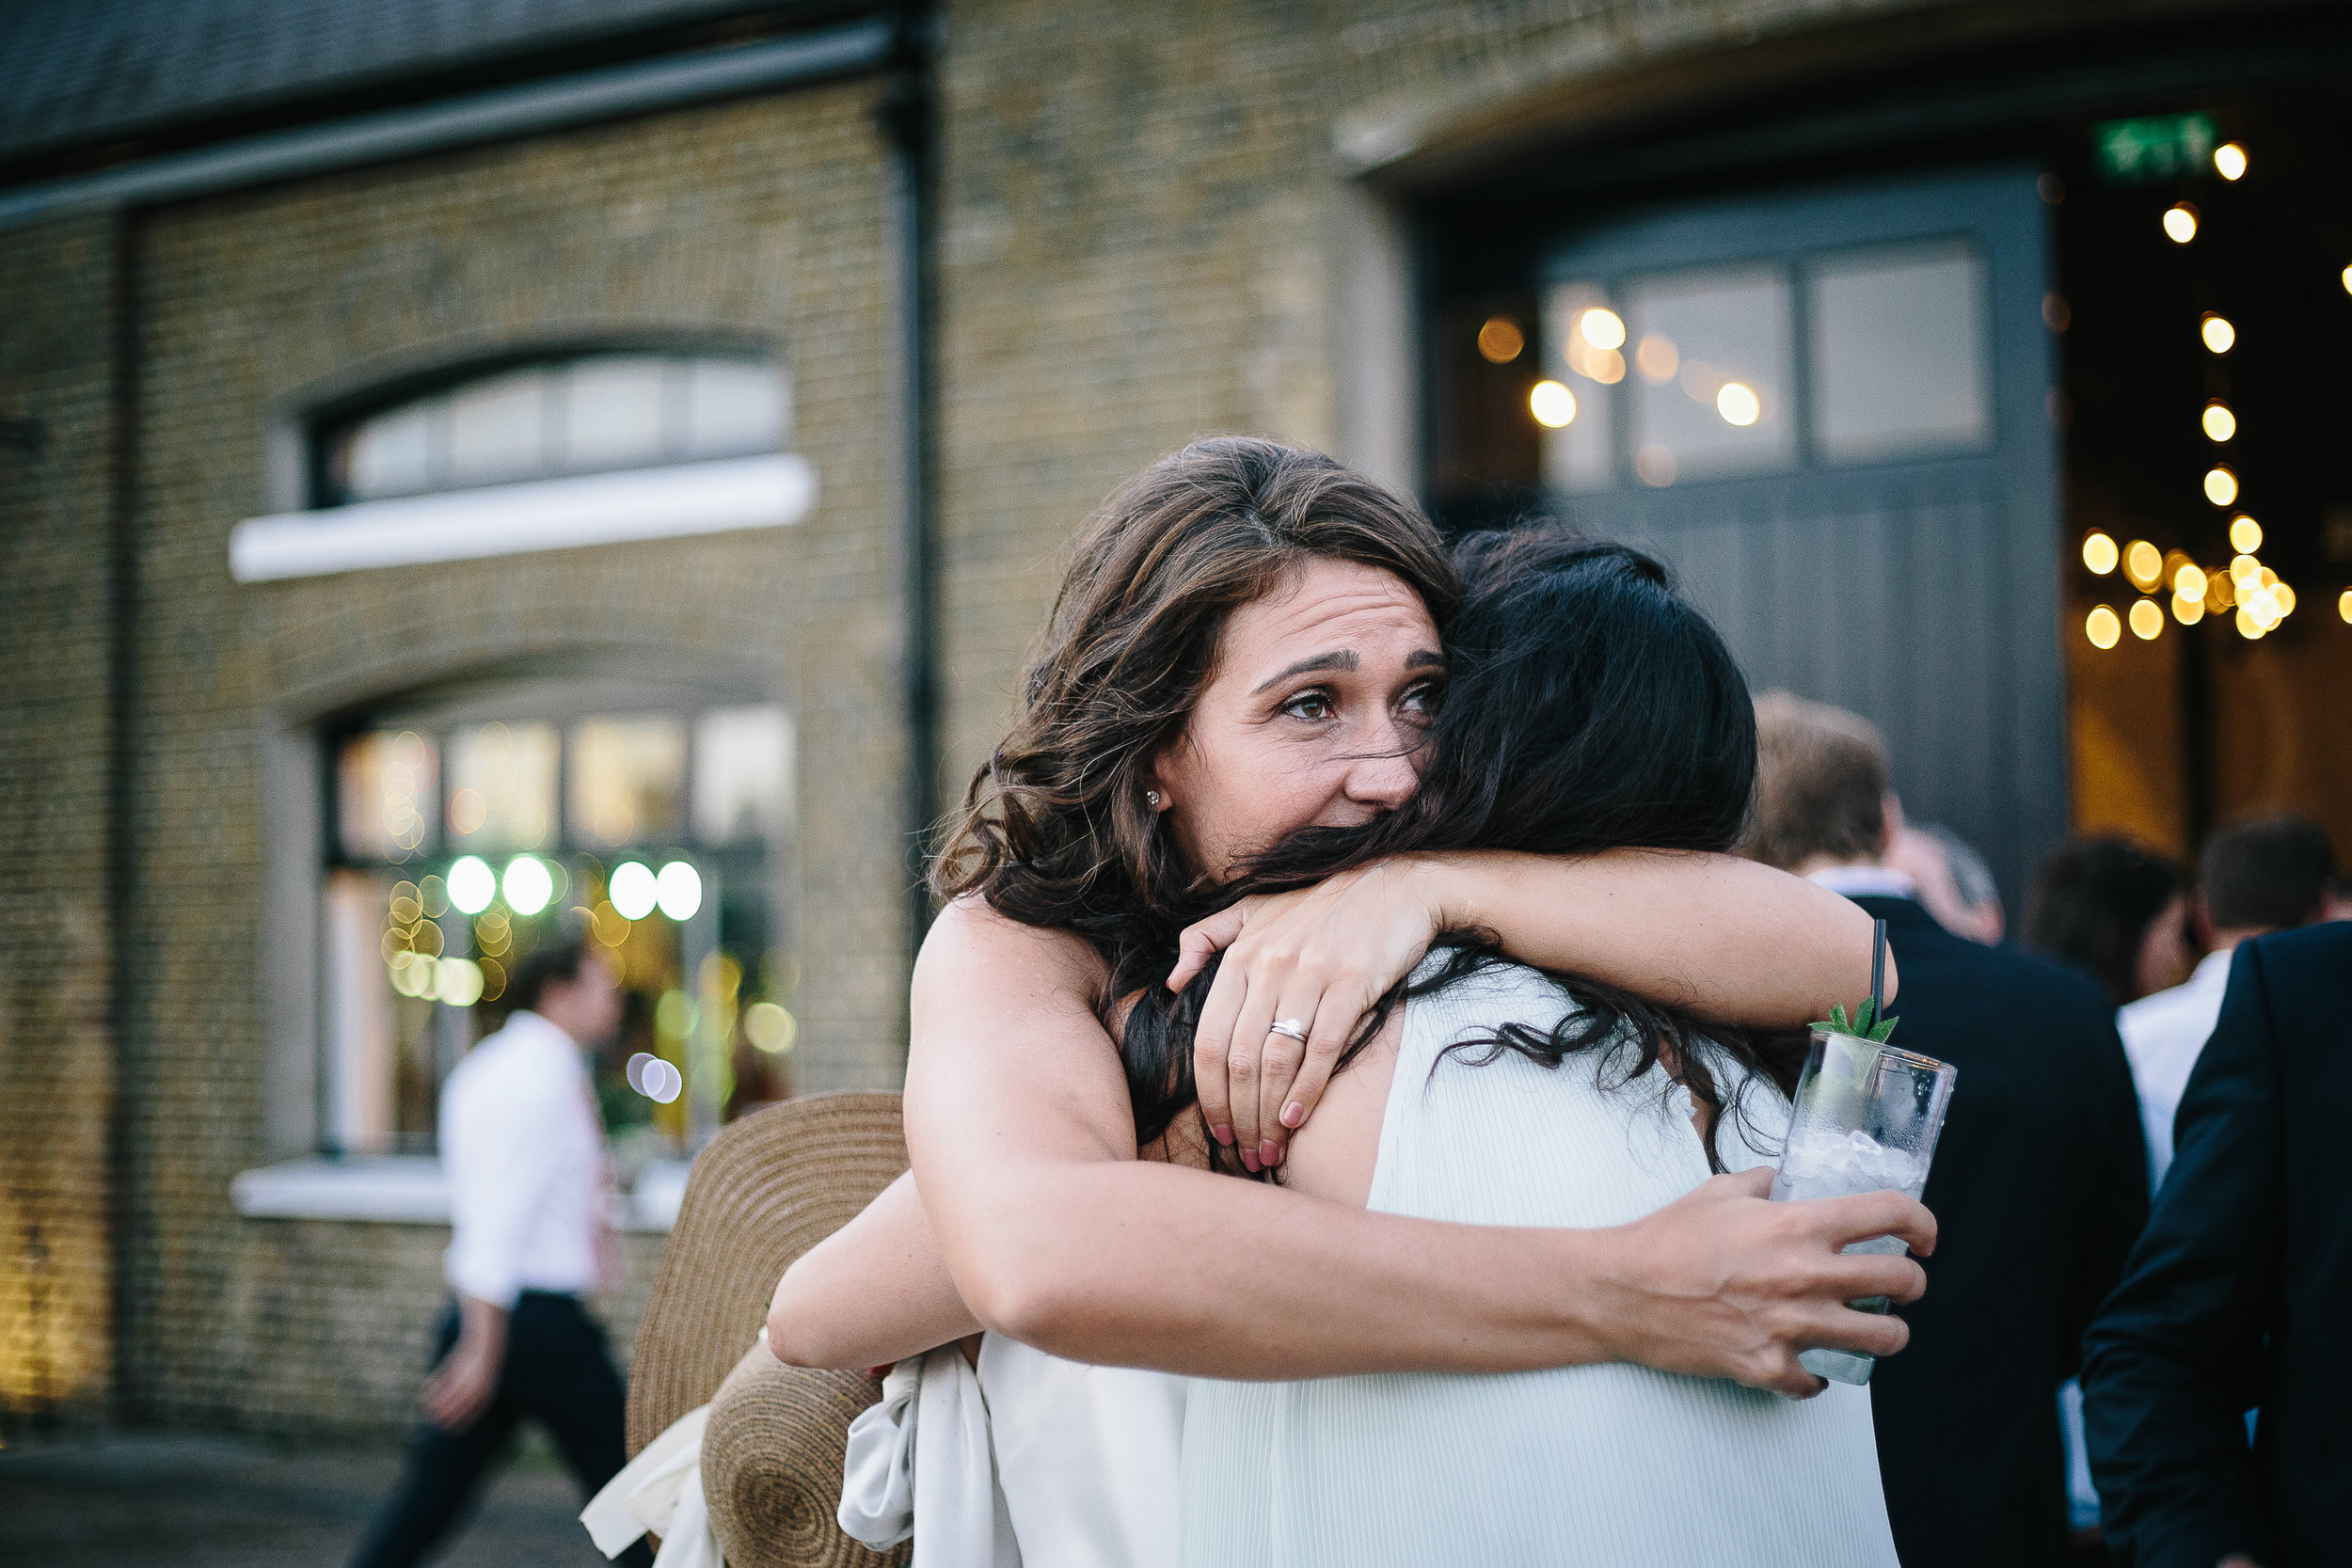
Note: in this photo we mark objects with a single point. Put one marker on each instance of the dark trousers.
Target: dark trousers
(558, 1372)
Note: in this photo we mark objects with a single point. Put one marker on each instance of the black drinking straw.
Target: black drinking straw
(1878, 971)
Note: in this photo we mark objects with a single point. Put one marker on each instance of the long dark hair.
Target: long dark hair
(1053, 830)
(1590, 708)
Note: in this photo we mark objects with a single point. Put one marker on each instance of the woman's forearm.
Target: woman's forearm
(875, 1291)
(1729, 938)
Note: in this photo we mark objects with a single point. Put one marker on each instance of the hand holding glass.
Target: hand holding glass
(1866, 1119)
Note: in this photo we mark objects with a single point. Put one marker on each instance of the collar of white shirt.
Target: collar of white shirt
(1865, 881)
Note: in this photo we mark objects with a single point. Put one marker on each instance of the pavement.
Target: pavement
(140, 1499)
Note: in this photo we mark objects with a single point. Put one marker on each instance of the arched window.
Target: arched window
(592, 447)
(581, 414)
(465, 831)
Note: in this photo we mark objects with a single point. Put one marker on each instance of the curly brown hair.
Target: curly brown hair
(1053, 830)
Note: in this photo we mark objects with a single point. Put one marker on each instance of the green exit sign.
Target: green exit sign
(2160, 146)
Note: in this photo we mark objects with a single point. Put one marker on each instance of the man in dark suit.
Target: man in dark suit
(2240, 1293)
(2040, 1180)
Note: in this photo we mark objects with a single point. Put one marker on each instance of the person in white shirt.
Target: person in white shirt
(522, 1148)
(2259, 876)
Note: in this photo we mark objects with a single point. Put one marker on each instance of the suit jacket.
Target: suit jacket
(2039, 1186)
(2240, 1293)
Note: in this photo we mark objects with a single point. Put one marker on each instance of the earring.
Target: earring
(1151, 796)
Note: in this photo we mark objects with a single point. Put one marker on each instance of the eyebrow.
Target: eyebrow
(1343, 658)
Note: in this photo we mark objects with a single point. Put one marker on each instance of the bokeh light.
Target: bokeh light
(2221, 424)
(633, 890)
(1552, 404)
(1600, 328)
(769, 1027)
(2220, 485)
(1738, 404)
(2247, 626)
(472, 884)
(2246, 535)
(1657, 359)
(457, 982)
(528, 884)
(2144, 565)
(2229, 161)
(2344, 606)
(1499, 340)
(2187, 610)
(2099, 554)
(2179, 223)
(2104, 628)
(679, 891)
(2147, 620)
(2218, 332)
(2189, 583)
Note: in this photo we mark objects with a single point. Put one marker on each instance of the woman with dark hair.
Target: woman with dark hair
(1246, 646)
(2115, 909)
(1591, 709)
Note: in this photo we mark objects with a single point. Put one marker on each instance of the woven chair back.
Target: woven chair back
(763, 1192)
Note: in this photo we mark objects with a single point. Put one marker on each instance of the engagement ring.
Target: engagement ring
(1290, 1026)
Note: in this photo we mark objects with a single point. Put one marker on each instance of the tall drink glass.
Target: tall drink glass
(1865, 1118)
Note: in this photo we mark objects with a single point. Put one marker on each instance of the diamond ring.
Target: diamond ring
(1290, 1026)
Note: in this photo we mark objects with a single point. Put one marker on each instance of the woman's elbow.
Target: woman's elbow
(796, 1331)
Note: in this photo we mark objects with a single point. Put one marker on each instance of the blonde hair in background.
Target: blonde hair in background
(1821, 783)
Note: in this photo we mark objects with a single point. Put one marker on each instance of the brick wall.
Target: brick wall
(763, 218)
(57, 1069)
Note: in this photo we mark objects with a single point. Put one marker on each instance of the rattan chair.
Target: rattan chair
(764, 1190)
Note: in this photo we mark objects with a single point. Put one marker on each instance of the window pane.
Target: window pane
(1898, 354)
(497, 429)
(615, 412)
(733, 407)
(1581, 455)
(628, 782)
(389, 455)
(502, 785)
(742, 773)
(1711, 384)
(386, 1064)
(385, 795)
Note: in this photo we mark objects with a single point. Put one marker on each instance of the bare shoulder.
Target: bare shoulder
(972, 943)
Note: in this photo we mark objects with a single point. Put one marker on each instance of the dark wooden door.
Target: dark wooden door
(1830, 411)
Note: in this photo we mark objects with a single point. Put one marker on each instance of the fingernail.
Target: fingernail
(1221, 1132)
(1292, 1115)
(1250, 1161)
(1268, 1153)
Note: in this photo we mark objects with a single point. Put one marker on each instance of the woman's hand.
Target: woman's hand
(1320, 958)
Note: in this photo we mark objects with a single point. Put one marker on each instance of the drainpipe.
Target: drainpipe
(908, 121)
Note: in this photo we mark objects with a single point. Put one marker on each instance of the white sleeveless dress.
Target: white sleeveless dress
(1614, 1466)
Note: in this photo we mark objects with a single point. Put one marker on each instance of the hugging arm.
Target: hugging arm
(876, 1290)
(1023, 1151)
(1733, 940)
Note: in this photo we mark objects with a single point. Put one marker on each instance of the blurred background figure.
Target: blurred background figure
(2039, 1185)
(2114, 909)
(2234, 1297)
(2264, 874)
(531, 1203)
(1953, 882)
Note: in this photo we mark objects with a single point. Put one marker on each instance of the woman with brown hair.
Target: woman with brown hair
(1248, 645)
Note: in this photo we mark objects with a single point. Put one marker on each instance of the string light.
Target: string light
(2104, 627)
(2147, 620)
(2218, 332)
(2220, 485)
(2221, 424)
(2246, 535)
(2229, 161)
(2179, 223)
(2099, 554)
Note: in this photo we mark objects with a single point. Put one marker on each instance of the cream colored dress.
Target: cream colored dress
(1612, 1466)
